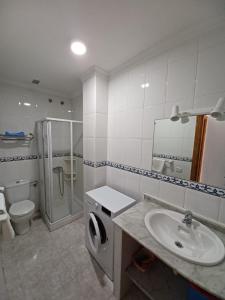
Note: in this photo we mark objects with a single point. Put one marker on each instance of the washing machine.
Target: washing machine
(101, 206)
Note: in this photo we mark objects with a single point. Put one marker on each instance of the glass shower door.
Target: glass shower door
(46, 131)
(61, 170)
(77, 167)
(60, 144)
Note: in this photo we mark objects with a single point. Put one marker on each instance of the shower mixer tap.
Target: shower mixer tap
(59, 170)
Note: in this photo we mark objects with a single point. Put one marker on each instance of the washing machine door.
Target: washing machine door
(96, 232)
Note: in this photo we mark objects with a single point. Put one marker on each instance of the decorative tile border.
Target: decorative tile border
(61, 154)
(93, 164)
(4, 159)
(173, 157)
(17, 158)
(200, 187)
(211, 190)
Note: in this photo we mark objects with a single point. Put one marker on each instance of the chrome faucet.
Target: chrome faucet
(188, 218)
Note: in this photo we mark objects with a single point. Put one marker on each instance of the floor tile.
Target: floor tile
(43, 265)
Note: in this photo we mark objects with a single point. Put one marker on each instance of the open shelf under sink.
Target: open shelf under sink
(159, 282)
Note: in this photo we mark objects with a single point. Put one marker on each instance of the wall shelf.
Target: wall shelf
(26, 138)
(69, 159)
(159, 282)
(67, 176)
(67, 169)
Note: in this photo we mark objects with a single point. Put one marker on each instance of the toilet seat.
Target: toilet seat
(21, 208)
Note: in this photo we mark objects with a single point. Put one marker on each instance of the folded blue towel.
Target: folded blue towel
(15, 133)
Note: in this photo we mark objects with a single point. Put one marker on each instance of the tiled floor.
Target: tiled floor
(43, 265)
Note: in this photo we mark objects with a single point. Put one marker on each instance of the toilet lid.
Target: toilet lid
(21, 208)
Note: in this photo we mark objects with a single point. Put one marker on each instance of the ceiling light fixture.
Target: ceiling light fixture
(145, 85)
(78, 48)
(26, 104)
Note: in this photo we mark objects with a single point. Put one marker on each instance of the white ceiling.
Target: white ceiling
(35, 35)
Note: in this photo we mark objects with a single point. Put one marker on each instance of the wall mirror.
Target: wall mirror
(192, 149)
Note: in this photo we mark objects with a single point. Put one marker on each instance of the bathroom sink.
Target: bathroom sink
(195, 243)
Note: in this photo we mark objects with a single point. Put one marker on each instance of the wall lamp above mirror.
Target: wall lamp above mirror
(217, 112)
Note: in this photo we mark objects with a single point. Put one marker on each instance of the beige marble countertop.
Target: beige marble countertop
(211, 279)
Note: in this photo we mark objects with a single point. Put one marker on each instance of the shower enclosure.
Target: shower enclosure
(60, 145)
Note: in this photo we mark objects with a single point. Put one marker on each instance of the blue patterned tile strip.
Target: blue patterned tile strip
(95, 164)
(17, 158)
(173, 157)
(151, 174)
(4, 159)
(211, 190)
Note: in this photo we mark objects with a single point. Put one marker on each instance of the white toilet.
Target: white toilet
(21, 209)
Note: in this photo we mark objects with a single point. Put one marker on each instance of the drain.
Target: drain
(178, 244)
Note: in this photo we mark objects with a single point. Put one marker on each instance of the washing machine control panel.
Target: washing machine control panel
(106, 211)
(97, 207)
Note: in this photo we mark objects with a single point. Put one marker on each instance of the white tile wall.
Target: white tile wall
(135, 93)
(116, 149)
(192, 75)
(117, 97)
(89, 178)
(181, 79)
(116, 125)
(222, 212)
(101, 125)
(100, 149)
(101, 91)
(211, 70)
(132, 152)
(149, 186)
(100, 176)
(150, 114)
(156, 73)
(116, 179)
(147, 146)
(132, 186)
(95, 115)
(89, 125)
(172, 193)
(77, 108)
(89, 148)
(202, 204)
(132, 123)
(89, 95)
(27, 169)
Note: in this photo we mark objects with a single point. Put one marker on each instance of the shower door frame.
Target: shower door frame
(70, 217)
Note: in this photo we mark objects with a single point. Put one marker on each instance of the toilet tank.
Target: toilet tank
(17, 191)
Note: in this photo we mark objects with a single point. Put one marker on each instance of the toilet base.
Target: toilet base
(22, 227)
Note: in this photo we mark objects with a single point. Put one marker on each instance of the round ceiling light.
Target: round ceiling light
(78, 48)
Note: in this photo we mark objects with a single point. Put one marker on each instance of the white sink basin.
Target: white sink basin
(197, 244)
